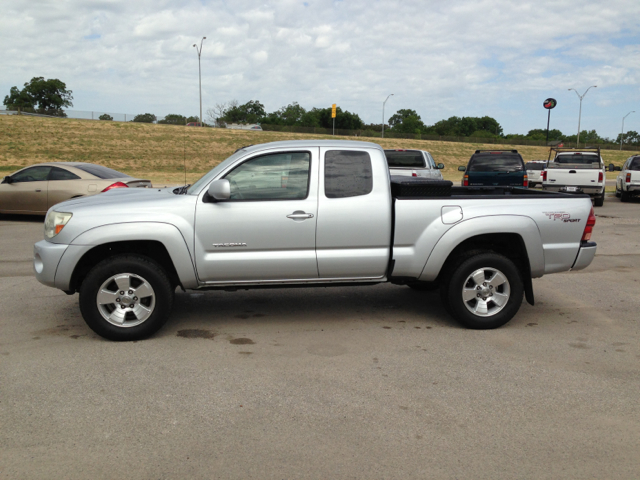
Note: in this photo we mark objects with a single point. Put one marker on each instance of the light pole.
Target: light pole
(580, 114)
(199, 50)
(383, 104)
(622, 132)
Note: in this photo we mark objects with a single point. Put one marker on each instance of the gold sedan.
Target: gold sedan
(33, 190)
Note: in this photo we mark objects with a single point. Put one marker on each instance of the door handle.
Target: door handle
(299, 215)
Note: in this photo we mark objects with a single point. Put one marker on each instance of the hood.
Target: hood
(113, 197)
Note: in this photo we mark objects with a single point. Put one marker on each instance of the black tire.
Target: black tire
(511, 291)
(423, 286)
(147, 313)
(617, 191)
(624, 196)
(599, 200)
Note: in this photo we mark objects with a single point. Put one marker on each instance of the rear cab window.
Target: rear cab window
(405, 159)
(577, 158)
(535, 166)
(347, 173)
(634, 164)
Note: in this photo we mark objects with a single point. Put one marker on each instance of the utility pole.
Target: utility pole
(199, 50)
(383, 104)
(622, 131)
(580, 114)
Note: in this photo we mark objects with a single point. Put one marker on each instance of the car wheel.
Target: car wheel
(599, 200)
(624, 196)
(126, 297)
(617, 191)
(485, 291)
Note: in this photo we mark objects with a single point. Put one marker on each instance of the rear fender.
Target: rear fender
(522, 226)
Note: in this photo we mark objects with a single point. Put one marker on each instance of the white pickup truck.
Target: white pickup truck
(576, 171)
(313, 213)
(628, 180)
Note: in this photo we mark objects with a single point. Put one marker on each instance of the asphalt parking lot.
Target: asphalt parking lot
(362, 382)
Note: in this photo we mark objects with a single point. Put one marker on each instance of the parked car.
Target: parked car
(534, 170)
(577, 171)
(495, 168)
(413, 163)
(628, 180)
(33, 190)
(311, 213)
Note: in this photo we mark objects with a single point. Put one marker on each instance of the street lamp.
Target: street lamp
(622, 132)
(199, 50)
(580, 114)
(383, 103)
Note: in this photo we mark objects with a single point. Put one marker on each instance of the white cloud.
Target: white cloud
(488, 57)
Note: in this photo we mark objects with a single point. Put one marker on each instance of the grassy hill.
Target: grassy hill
(157, 152)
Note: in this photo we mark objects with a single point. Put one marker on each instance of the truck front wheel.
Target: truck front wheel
(485, 291)
(126, 297)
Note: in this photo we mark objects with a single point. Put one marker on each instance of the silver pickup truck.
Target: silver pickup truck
(309, 213)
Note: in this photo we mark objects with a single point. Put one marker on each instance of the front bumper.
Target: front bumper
(46, 257)
(585, 255)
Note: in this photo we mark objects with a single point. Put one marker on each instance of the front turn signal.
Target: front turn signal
(55, 222)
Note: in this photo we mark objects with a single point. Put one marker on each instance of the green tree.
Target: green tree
(173, 119)
(250, 112)
(406, 121)
(629, 138)
(105, 116)
(145, 118)
(48, 97)
(541, 134)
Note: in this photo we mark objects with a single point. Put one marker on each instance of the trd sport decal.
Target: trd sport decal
(561, 216)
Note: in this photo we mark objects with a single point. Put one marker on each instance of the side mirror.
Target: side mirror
(462, 169)
(7, 179)
(220, 190)
(440, 166)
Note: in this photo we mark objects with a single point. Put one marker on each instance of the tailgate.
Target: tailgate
(573, 176)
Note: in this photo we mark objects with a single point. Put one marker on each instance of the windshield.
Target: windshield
(535, 166)
(582, 158)
(100, 171)
(207, 177)
(496, 163)
(635, 164)
(404, 159)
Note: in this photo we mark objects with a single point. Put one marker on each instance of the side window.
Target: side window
(432, 162)
(60, 174)
(347, 174)
(280, 176)
(33, 174)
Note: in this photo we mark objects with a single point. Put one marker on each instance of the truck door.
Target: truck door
(266, 230)
(354, 213)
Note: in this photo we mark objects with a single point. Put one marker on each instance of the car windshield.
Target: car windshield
(101, 172)
(405, 159)
(582, 158)
(535, 166)
(503, 162)
(635, 164)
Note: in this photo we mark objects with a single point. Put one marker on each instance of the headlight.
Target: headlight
(55, 222)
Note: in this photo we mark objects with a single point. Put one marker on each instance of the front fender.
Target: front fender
(167, 234)
(523, 226)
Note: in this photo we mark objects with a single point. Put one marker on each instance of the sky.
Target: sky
(441, 58)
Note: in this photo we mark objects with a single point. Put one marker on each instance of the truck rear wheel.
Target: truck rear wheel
(126, 297)
(599, 200)
(485, 291)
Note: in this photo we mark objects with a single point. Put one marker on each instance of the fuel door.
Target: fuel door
(451, 214)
